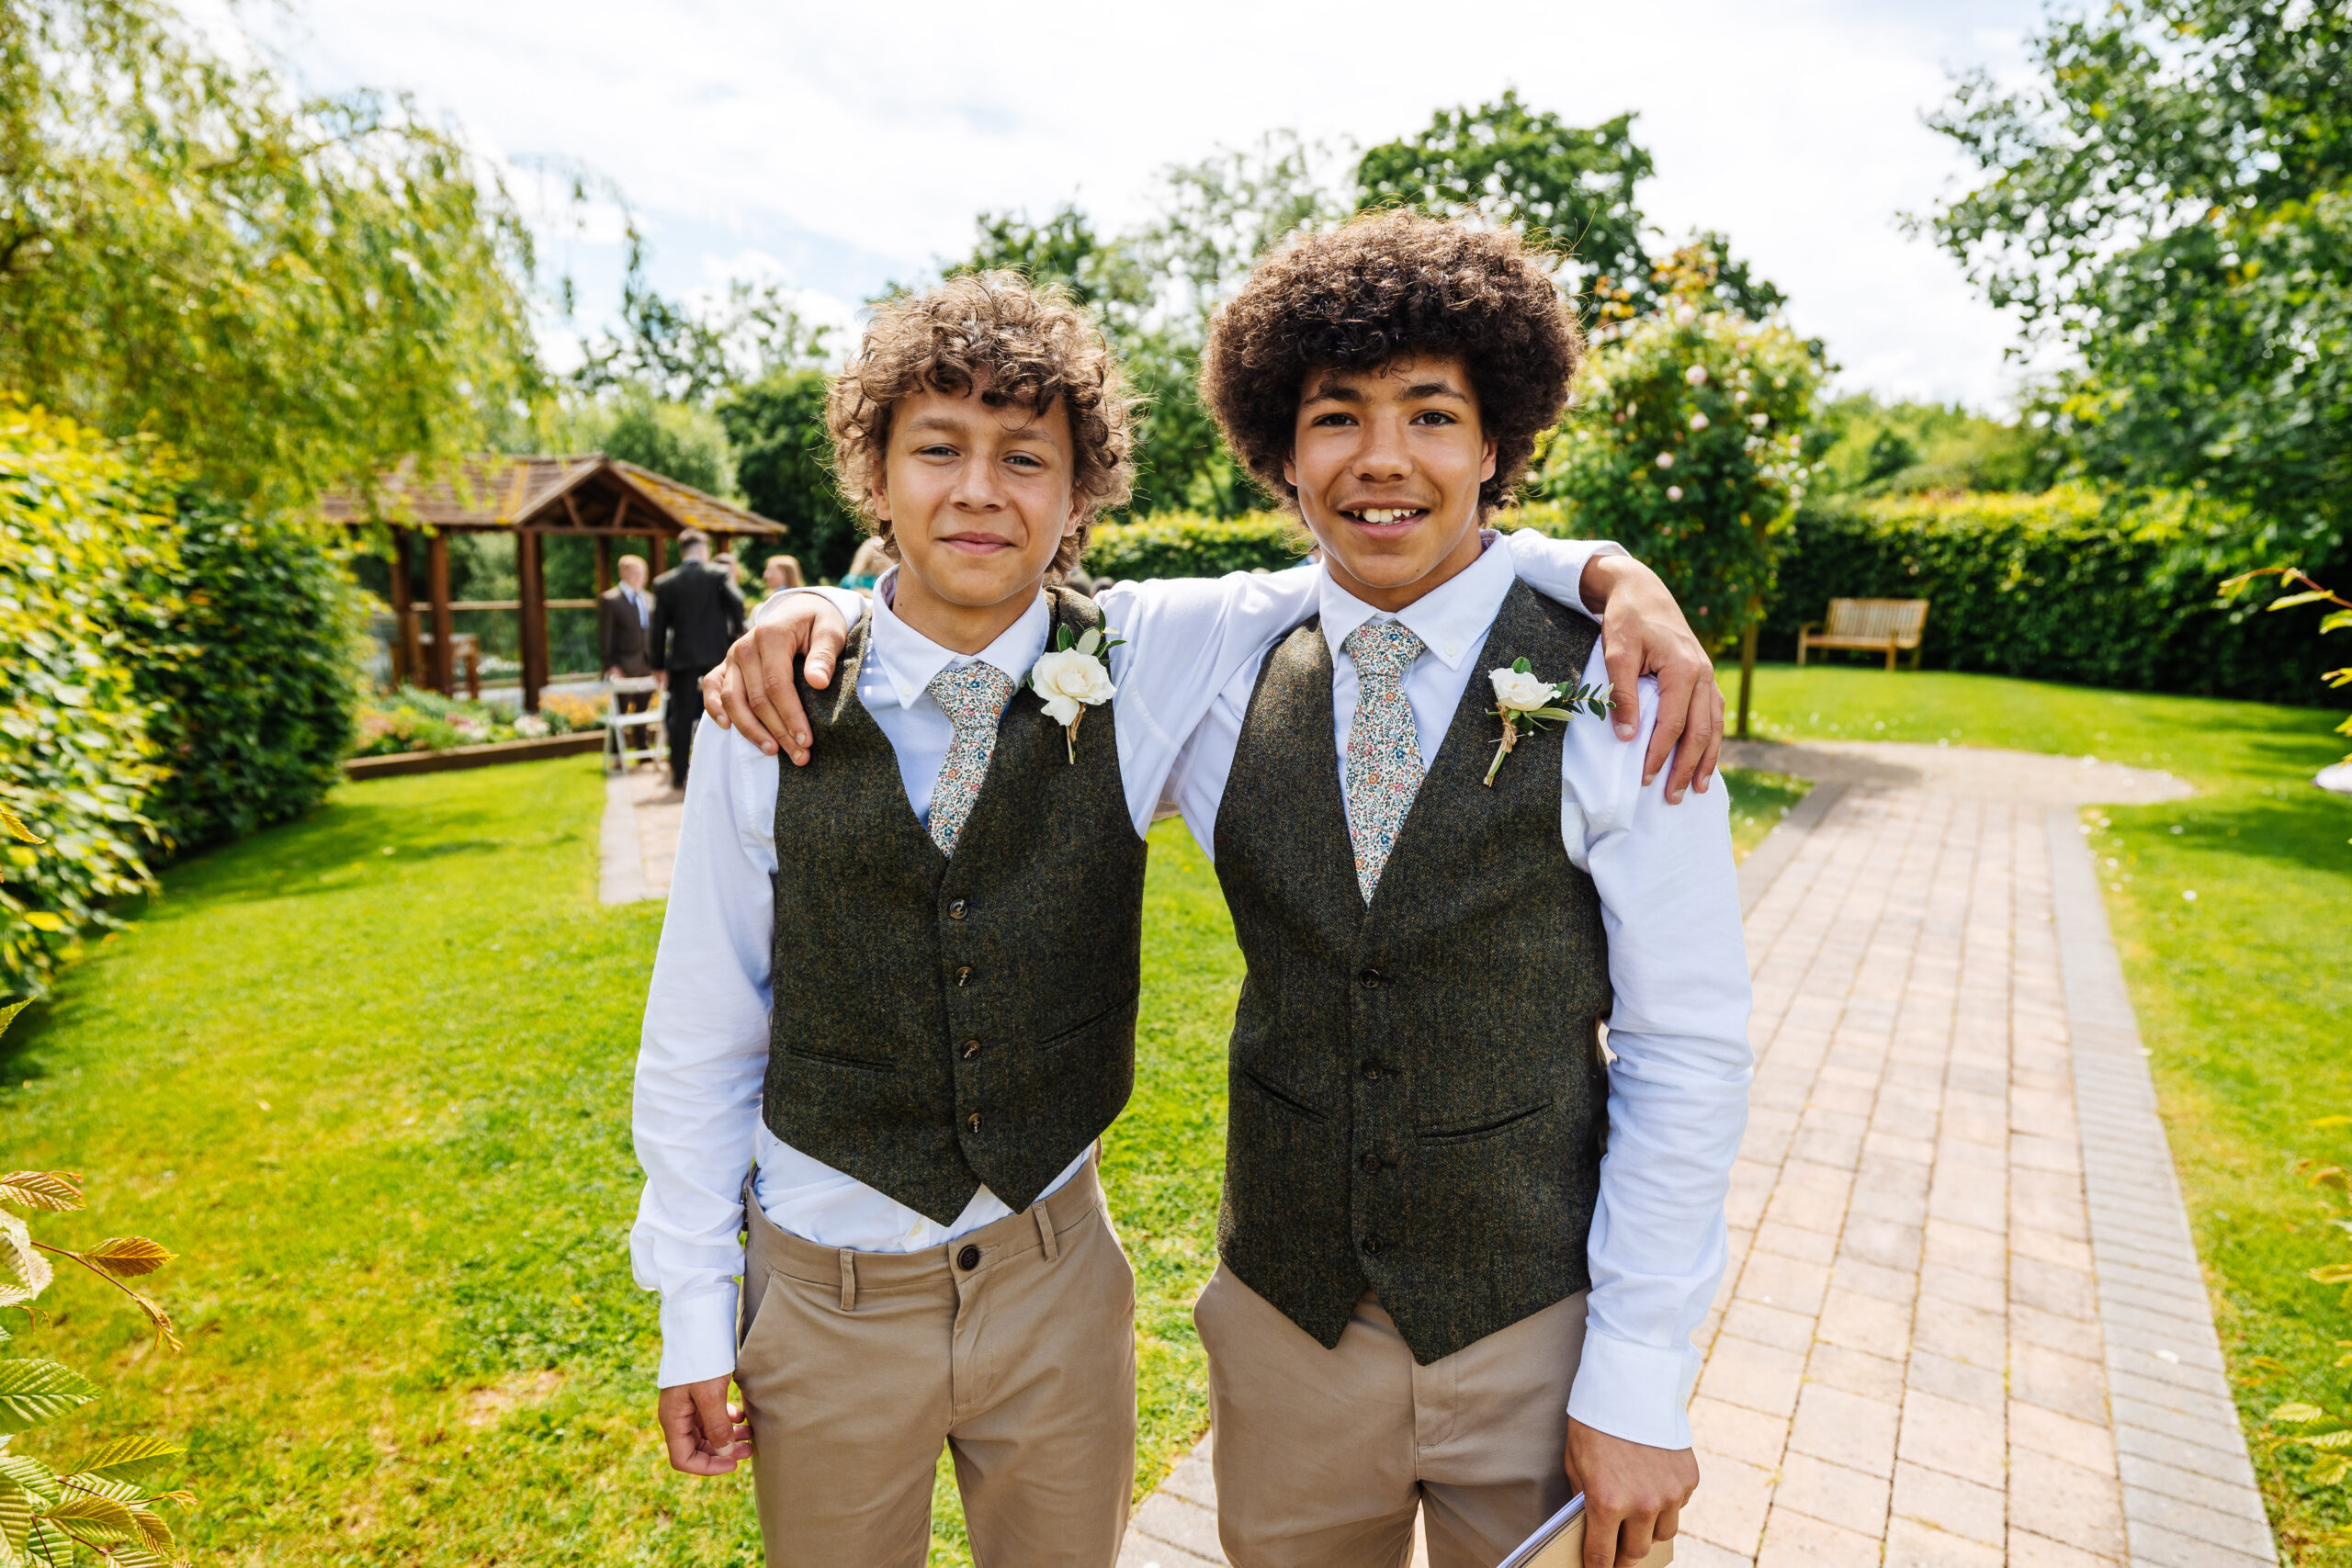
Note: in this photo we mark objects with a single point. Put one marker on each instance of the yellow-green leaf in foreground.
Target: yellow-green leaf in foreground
(13, 826)
(42, 920)
(127, 1455)
(18, 1254)
(129, 1255)
(41, 1188)
(29, 1475)
(33, 1392)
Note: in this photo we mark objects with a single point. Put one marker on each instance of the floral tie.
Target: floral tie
(973, 698)
(1383, 746)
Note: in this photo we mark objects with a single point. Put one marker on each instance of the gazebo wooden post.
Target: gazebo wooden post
(445, 624)
(603, 565)
(531, 578)
(408, 661)
(657, 554)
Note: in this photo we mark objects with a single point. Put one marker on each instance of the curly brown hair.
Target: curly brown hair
(1022, 346)
(1386, 287)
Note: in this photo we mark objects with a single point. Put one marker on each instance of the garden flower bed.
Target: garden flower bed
(423, 733)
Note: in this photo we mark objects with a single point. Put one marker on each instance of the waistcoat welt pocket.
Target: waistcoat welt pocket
(1062, 1036)
(1283, 1097)
(1487, 1127)
(856, 1064)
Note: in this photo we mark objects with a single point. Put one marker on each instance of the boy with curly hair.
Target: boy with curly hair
(897, 983)
(1464, 1246)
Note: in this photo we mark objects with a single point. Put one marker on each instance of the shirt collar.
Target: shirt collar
(908, 661)
(1449, 619)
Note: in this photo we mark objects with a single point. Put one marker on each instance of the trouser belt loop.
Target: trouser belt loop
(849, 1280)
(1046, 1230)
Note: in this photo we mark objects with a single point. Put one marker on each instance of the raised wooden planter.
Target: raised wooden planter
(474, 756)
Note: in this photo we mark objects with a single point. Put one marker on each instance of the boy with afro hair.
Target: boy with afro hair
(895, 1000)
(1464, 1245)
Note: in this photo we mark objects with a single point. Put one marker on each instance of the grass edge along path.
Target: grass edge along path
(2230, 912)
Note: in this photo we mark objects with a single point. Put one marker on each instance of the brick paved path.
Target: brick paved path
(1963, 1323)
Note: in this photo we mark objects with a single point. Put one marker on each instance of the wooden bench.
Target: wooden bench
(1869, 624)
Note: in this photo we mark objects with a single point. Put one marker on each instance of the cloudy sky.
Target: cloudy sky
(837, 146)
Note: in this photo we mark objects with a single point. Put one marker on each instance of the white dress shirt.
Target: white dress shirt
(1677, 971)
(702, 1052)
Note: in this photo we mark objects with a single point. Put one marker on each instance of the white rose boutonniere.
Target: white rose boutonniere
(1520, 697)
(1074, 677)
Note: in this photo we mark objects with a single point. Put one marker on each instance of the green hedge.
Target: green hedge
(258, 695)
(84, 543)
(2054, 587)
(1180, 544)
(170, 675)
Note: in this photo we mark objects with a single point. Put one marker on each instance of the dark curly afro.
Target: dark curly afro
(1386, 286)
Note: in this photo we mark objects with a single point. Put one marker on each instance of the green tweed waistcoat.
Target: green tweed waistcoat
(939, 1022)
(1415, 1094)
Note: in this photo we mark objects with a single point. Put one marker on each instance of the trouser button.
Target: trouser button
(968, 1259)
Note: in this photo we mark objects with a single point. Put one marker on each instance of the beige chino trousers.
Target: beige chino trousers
(1013, 1345)
(1323, 1455)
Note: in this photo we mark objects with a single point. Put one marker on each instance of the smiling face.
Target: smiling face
(1387, 463)
(978, 499)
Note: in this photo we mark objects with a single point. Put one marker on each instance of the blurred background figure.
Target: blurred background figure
(870, 562)
(698, 610)
(625, 633)
(781, 572)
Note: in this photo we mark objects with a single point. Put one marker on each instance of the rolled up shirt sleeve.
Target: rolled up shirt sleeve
(702, 1054)
(1678, 1081)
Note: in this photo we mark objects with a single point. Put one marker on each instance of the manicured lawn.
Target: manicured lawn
(2244, 994)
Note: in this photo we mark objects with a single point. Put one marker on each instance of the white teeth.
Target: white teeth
(1387, 513)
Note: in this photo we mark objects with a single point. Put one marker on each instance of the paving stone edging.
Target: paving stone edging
(2189, 1497)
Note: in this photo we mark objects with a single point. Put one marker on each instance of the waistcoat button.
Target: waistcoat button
(968, 1259)
(956, 909)
(964, 974)
(1371, 1162)
(1371, 1247)
(1371, 978)
(973, 1121)
(971, 1049)
(1371, 1069)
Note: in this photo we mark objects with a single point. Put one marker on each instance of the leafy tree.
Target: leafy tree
(1063, 249)
(784, 461)
(1686, 445)
(677, 440)
(1906, 449)
(292, 292)
(2171, 199)
(689, 354)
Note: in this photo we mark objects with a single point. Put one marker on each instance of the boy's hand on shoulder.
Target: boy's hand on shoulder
(1632, 1493)
(705, 1434)
(1643, 632)
(753, 695)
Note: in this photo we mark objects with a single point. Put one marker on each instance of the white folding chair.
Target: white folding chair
(653, 745)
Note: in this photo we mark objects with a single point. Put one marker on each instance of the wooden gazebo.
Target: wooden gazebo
(591, 497)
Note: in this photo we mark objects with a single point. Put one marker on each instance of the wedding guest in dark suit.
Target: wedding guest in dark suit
(624, 633)
(698, 610)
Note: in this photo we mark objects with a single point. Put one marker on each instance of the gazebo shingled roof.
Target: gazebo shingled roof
(588, 496)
